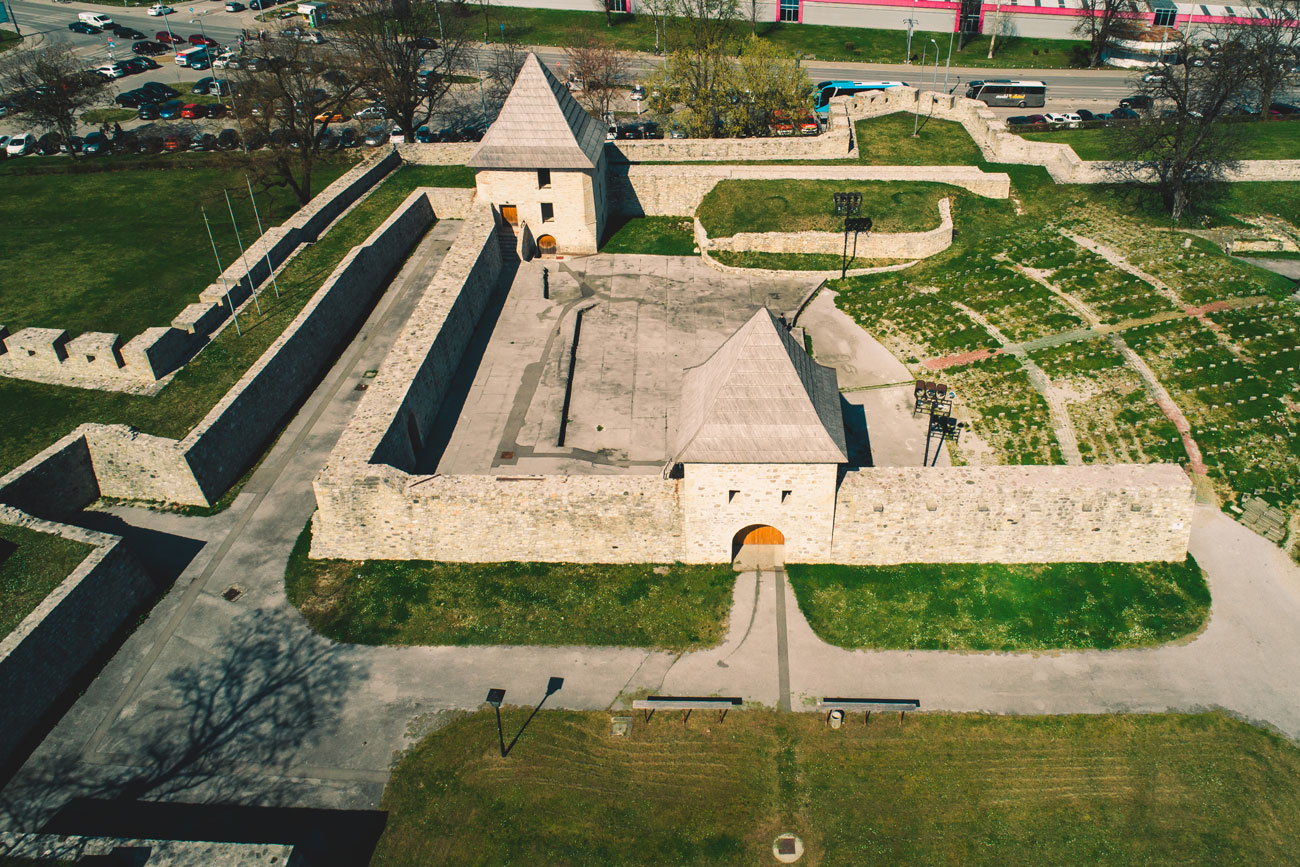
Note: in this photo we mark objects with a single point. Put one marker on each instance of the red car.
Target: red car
(167, 39)
(199, 39)
(175, 142)
(193, 109)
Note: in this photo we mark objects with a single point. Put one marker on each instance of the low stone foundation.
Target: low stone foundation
(869, 245)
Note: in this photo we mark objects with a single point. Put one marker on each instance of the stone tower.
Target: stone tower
(760, 442)
(541, 166)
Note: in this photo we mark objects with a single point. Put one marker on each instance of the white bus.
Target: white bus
(196, 57)
(1003, 91)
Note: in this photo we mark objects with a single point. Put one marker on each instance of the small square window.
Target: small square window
(548, 212)
(785, 495)
(90, 359)
(543, 179)
(731, 495)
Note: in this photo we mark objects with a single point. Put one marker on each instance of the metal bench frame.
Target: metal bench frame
(686, 704)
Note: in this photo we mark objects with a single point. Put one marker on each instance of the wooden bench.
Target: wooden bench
(686, 704)
(867, 705)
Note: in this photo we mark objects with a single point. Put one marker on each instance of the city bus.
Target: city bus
(1021, 94)
(826, 90)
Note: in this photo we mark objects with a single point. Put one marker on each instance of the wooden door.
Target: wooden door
(510, 214)
(764, 536)
(546, 245)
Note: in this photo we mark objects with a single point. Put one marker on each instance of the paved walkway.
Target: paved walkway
(239, 702)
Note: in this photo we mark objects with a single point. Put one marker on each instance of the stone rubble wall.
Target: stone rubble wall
(63, 635)
(872, 245)
(161, 853)
(99, 360)
(56, 483)
(437, 153)
(998, 145)
(677, 191)
(1097, 513)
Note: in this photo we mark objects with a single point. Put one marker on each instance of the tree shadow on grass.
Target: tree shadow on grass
(223, 731)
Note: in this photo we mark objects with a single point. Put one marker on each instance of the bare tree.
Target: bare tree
(292, 98)
(405, 54)
(604, 71)
(1270, 41)
(659, 12)
(501, 72)
(52, 84)
(1181, 150)
(1100, 21)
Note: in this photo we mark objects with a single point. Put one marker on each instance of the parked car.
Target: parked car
(1137, 101)
(218, 109)
(73, 145)
(256, 64)
(260, 4)
(1196, 62)
(424, 135)
(158, 9)
(1124, 113)
(175, 141)
(1155, 75)
(1018, 120)
(328, 141)
(149, 144)
(374, 111)
(96, 144)
(148, 111)
(424, 43)
(121, 31)
(331, 117)
(171, 110)
(203, 141)
(227, 140)
(148, 48)
(1102, 115)
(234, 6)
(1038, 118)
(49, 144)
(138, 64)
(83, 27)
(396, 136)
(130, 99)
(201, 86)
(375, 136)
(226, 60)
(109, 70)
(1085, 115)
(200, 39)
(676, 132)
(1282, 109)
(168, 39)
(4, 147)
(349, 138)
(194, 110)
(95, 19)
(638, 92)
(160, 90)
(1211, 45)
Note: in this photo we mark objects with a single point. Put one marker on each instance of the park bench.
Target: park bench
(867, 705)
(686, 704)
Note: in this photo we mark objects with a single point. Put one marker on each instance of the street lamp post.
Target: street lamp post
(935, 86)
(494, 697)
(916, 121)
(948, 66)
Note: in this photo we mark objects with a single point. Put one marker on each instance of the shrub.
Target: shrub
(849, 46)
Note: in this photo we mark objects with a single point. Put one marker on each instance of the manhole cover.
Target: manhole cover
(620, 726)
(507, 456)
(232, 593)
(787, 849)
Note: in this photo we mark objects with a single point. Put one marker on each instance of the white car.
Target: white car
(638, 92)
(1153, 76)
(109, 70)
(397, 136)
(1068, 118)
(95, 19)
(160, 9)
(4, 142)
(21, 145)
(222, 60)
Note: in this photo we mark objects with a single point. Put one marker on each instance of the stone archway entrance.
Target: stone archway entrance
(546, 246)
(758, 545)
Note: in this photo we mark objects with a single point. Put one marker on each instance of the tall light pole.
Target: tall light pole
(948, 65)
(910, 22)
(934, 86)
(916, 121)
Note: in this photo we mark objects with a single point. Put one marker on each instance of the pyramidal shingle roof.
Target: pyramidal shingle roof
(760, 399)
(540, 126)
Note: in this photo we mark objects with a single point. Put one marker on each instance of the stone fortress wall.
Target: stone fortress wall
(1000, 146)
(869, 245)
(101, 360)
(116, 461)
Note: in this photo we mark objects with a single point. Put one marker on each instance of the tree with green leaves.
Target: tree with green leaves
(697, 74)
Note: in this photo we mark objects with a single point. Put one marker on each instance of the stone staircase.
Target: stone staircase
(508, 239)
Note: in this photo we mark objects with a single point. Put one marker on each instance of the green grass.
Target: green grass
(8, 39)
(107, 115)
(1119, 790)
(122, 251)
(31, 565)
(735, 206)
(973, 606)
(412, 602)
(794, 261)
(636, 33)
(34, 415)
(1261, 140)
(888, 141)
(444, 176)
(655, 236)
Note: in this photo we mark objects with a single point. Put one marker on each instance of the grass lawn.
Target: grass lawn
(636, 33)
(939, 789)
(34, 415)
(31, 565)
(1261, 140)
(888, 141)
(409, 602)
(794, 261)
(8, 39)
(122, 251)
(107, 115)
(970, 606)
(736, 206)
(655, 236)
